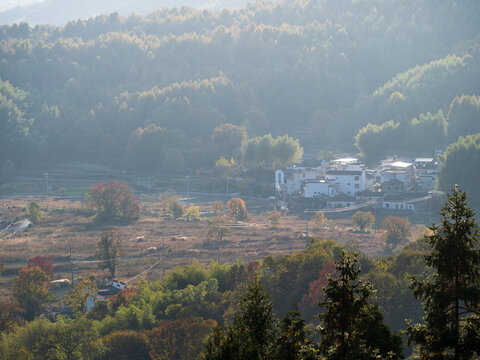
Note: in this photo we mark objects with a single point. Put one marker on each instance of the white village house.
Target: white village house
(391, 171)
(292, 178)
(426, 171)
(345, 182)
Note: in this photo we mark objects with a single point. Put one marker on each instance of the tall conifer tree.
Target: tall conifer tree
(352, 326)
(451, 295)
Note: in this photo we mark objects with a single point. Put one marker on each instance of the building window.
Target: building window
(357, 186)
(357, 177)
(348, 204)
(387, 205)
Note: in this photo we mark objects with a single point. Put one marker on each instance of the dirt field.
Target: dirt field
(62, 229)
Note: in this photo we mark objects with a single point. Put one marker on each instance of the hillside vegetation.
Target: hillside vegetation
(316, 70)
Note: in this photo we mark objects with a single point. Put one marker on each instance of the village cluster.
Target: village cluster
(396, 184)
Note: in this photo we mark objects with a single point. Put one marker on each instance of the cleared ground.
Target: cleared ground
(63, 231)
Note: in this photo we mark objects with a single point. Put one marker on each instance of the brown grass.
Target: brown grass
(61, 229)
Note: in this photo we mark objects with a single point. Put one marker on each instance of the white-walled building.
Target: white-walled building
(413, 201)
(345, 175)
(348, 179)
(393, 170)
(314, 188)
(426, 171)
(294, 177)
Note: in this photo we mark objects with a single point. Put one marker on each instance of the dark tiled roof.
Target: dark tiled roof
(109, 291)
(343, 197)
(369, 193)
(344, 172)
(392, 181)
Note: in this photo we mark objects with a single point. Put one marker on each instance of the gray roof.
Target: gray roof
(344, 172)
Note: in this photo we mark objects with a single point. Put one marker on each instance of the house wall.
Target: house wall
(340, 204)
(294, 178)
(398, 205)
(349, 184)
(312, 189)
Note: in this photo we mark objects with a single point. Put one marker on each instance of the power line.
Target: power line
(143, 272)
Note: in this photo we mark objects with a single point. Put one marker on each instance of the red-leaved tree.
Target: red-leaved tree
(43, 263)
(310, 300)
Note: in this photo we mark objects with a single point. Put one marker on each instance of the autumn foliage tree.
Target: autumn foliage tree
(9, 314)
(237, 209)
(30, 289)
(310, 300)
(112, 199)
(43, 263)
(397, 228)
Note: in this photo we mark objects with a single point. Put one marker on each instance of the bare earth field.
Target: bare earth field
(62, 229)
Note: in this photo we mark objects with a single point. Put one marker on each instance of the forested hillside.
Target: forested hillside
(318, 71)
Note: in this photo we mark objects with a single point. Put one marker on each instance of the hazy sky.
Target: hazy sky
(7, 4)
(59, 12)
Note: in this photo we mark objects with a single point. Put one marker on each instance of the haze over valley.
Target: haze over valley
(171, 172)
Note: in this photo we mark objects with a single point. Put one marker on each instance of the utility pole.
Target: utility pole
(306, 229)
(219, 244)
(187, 177)
(71, 259)
(46, 180)
(163, 252)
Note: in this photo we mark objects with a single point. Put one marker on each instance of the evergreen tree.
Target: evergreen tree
(291, 339)
(351, 325)
(250, 335)
(450, 296)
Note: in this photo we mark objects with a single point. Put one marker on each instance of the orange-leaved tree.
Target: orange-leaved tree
(113, 199)
(237, 209)
(397, 228)
(30, 289)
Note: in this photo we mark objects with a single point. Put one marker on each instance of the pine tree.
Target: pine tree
(251, 334)
(352, 327)
(451, 295)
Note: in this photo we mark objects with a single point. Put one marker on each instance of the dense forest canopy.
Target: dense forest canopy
(318, 71)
